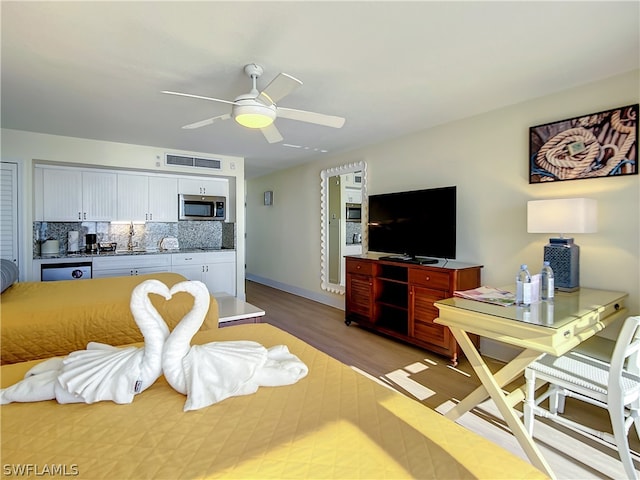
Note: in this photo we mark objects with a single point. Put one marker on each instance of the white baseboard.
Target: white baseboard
(326, 299)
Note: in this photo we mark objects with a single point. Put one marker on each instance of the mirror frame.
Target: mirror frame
(360, 166)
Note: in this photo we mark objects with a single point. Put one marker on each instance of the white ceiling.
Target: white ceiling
(96, 69)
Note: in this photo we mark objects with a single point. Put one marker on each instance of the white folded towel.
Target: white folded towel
(38, 384)
(102, 372)
(281, 368)
(215, 371)
(205, 373)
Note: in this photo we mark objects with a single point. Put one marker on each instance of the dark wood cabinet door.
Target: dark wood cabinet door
(423, 314)
(397, 299)
(359, 295)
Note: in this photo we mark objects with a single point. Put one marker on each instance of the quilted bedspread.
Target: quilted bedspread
(334, 423)
(47, 319)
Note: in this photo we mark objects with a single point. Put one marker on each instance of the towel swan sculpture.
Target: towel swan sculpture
(215, 371)
(102, 372)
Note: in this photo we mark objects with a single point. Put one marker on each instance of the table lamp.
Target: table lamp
(563, 215)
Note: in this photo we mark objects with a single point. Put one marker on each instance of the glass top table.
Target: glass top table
(553, 328)
(559, 312)
(543, 327)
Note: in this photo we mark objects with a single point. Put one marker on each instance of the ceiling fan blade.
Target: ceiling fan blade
(208, 121)
(211, 99)
(280, 87)
(272, 134)
(311, 117)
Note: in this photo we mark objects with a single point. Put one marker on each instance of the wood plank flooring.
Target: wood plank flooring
(429, 379)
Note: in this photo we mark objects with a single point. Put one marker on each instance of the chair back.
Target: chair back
(626, 354)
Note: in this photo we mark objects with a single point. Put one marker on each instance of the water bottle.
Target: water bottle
(523, 286)
(547, 283)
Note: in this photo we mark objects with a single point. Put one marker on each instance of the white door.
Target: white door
(190, 272)
(9, 212)
(221, 278)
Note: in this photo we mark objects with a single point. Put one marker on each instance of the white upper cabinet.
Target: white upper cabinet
(133, 197)
(204, 186)
(163, 199)
(70, 195)
(147, 198)
(61, 195)
(98, 195)
(353, 195)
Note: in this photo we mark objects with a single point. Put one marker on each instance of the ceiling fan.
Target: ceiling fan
(259, 109)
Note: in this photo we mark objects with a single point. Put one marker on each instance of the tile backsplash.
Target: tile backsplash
(353, 228)
(190, 234)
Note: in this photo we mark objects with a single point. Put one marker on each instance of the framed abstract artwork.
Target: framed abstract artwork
(603, 144)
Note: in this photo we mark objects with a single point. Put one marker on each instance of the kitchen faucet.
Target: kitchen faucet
(131, 233)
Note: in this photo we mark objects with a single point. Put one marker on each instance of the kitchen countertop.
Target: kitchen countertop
(130, 252)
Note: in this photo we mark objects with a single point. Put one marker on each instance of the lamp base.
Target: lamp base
(568, 290)
(564, 258)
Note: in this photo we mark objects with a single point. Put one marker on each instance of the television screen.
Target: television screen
(418, 223)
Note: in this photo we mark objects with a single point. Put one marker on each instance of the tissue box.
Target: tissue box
(535, 288)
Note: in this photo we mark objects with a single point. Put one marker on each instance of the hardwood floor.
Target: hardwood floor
(429, 379)
(324, 328)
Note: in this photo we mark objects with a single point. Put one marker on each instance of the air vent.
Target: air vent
(195, 162)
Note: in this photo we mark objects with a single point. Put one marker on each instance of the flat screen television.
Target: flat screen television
(415, 226)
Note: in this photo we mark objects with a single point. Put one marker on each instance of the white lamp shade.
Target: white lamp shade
(562, 215)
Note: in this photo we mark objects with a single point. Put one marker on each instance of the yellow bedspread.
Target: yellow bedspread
(47, 319)
(334, 423)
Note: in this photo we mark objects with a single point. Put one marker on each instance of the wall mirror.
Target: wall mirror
(343, 216)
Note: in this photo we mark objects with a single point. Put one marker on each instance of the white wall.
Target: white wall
(26, 148)
(486, 156)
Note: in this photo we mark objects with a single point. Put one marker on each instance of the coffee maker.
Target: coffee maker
(91, 243)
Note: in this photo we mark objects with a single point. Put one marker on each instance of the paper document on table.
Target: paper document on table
(488, 295)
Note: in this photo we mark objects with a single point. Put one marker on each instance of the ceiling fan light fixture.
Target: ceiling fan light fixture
(254, 115)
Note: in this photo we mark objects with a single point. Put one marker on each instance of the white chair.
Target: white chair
(613, 385)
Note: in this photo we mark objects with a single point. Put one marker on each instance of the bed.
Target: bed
(334, 423)
(46, 319)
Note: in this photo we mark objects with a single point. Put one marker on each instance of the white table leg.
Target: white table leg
(491, 385)
(505, 375)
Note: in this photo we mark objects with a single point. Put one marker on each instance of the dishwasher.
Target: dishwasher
(65, 271)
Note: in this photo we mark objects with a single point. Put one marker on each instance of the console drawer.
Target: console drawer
(429, 278)
(361, 267)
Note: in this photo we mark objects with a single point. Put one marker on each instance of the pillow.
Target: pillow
(8, 273)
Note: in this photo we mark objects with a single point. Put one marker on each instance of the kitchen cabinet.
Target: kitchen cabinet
(353, 195)
(204, 186)
(359, 292)
(397, 299)
(353, 180)
(125, 265)
(163, 199)
(71, 195)
(217, 270)
(147, 198)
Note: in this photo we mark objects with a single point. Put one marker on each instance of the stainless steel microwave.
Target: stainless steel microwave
(201, 207)
(353, 212)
